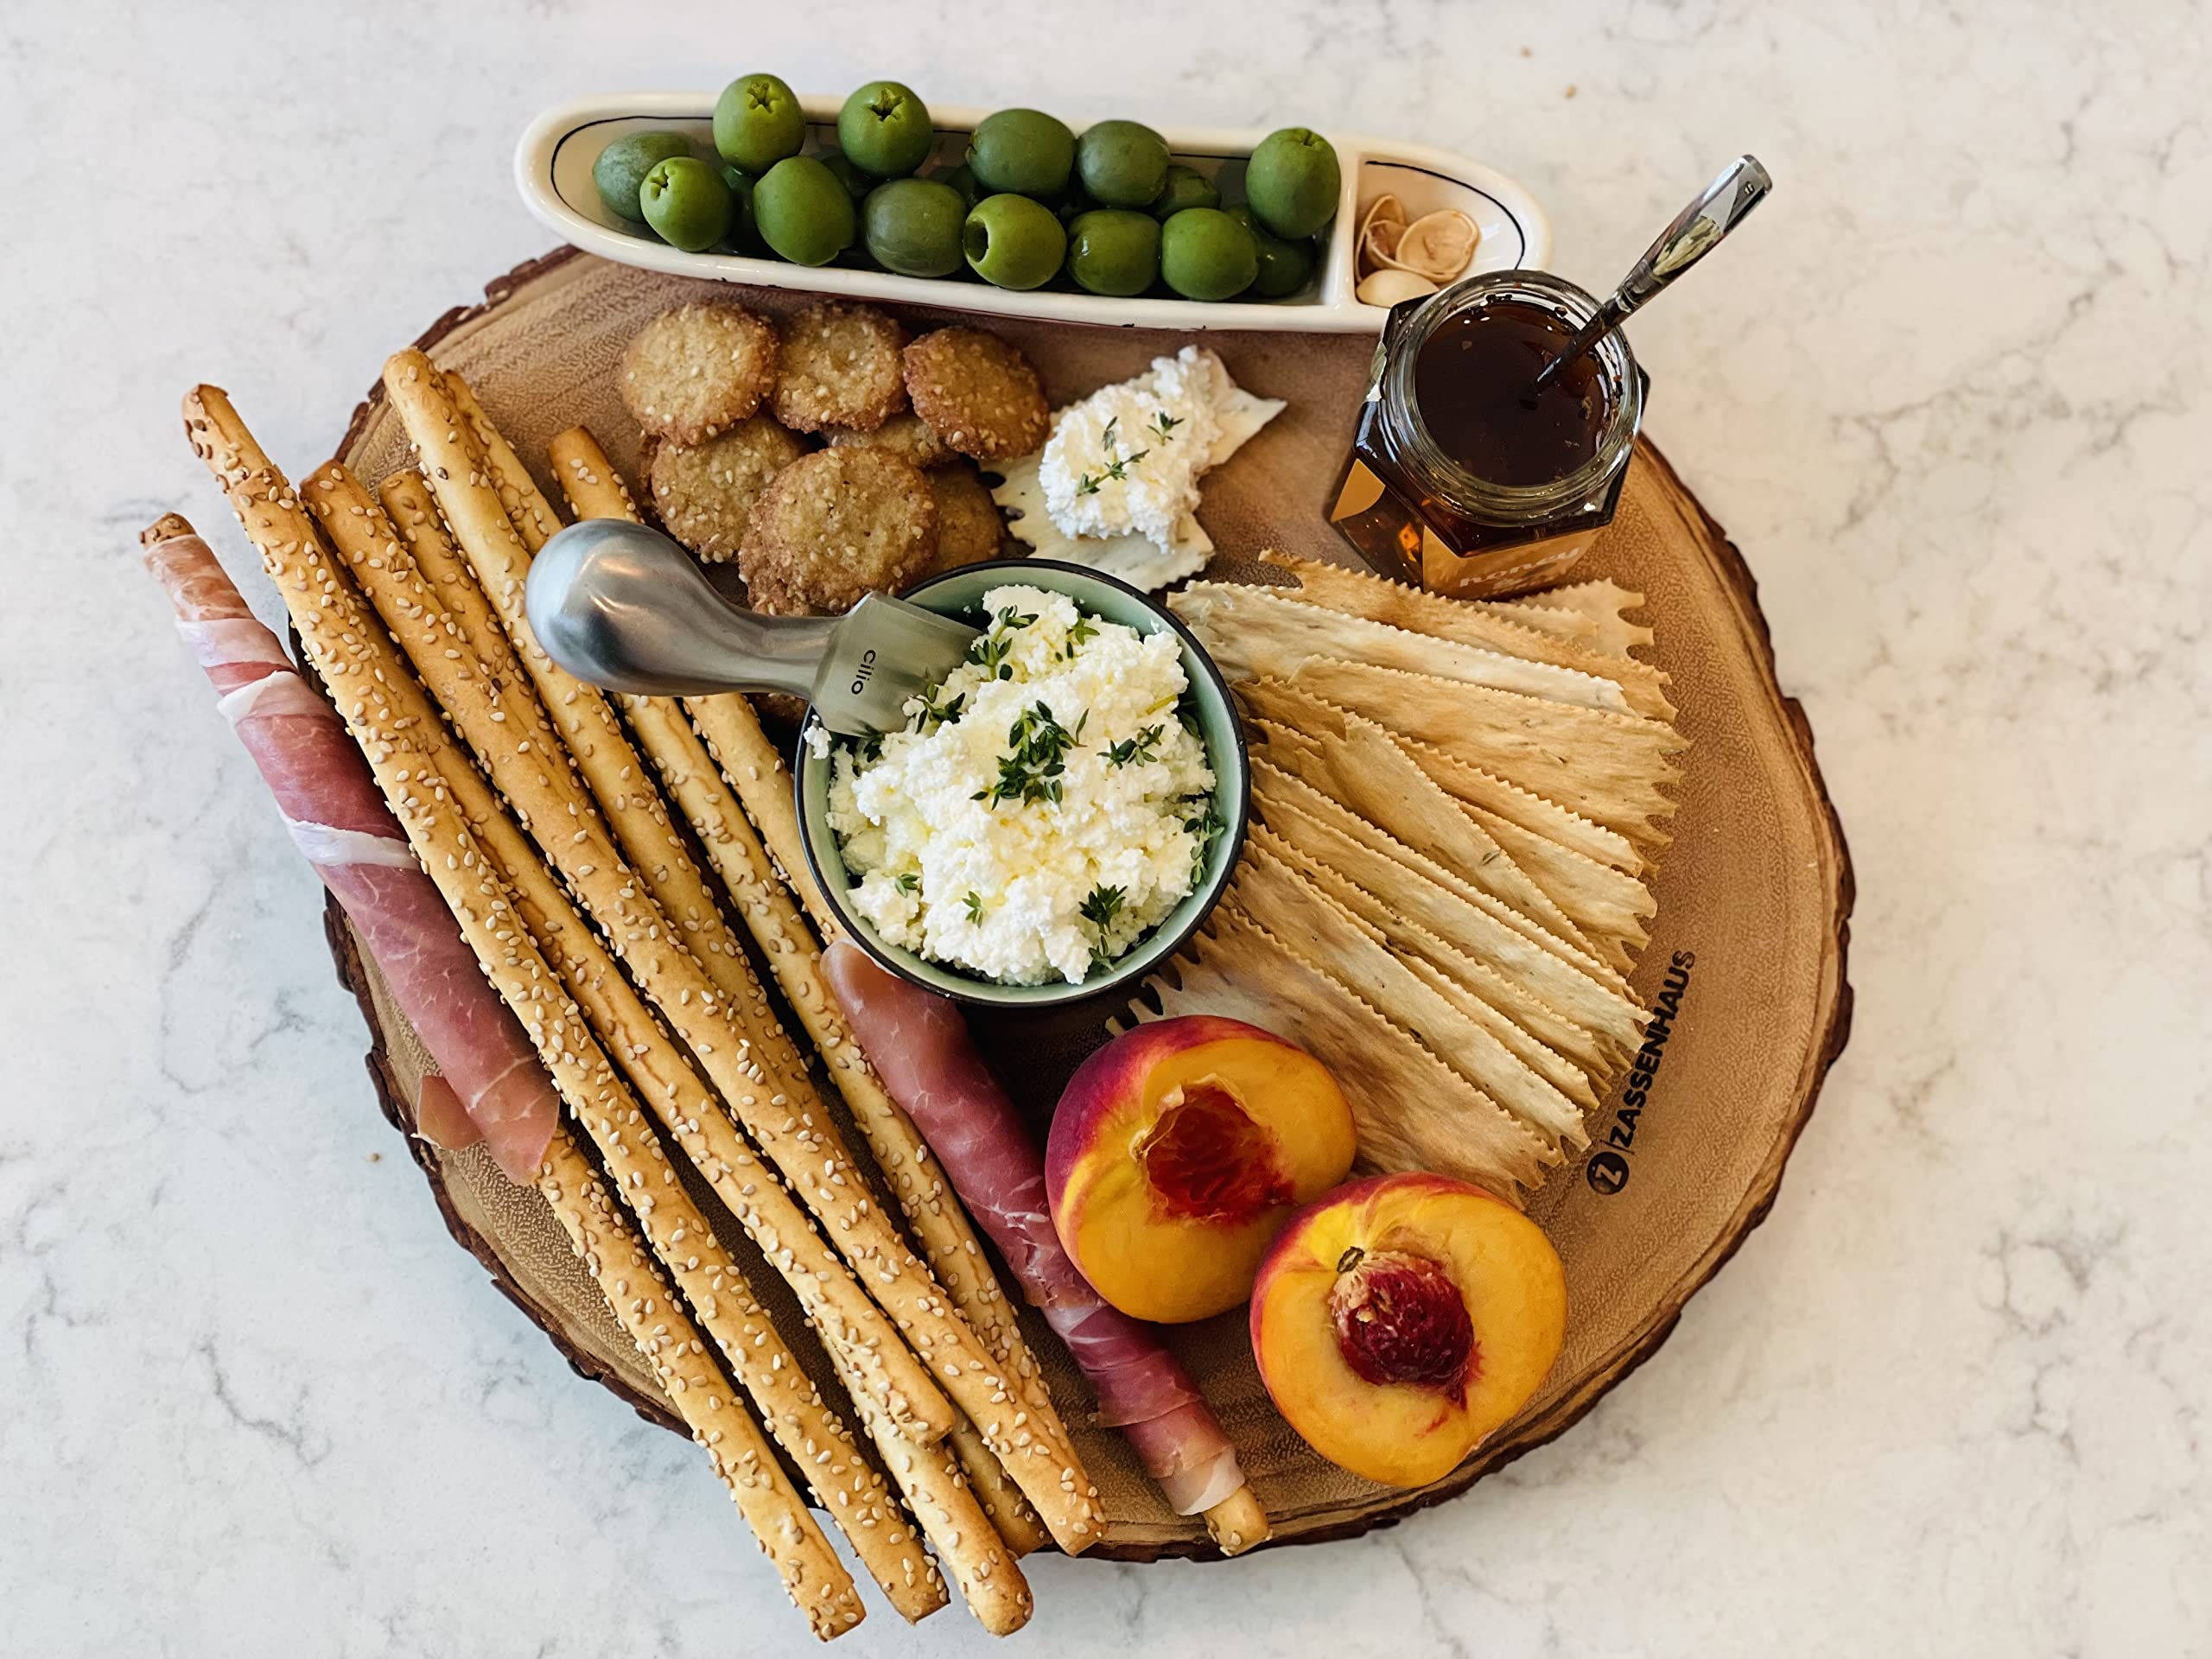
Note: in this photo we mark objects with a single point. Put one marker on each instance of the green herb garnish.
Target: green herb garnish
(1143, 747)
(1164, 425)
(1037, 750)
(908, 881)
(1104, 904)
(975, 903)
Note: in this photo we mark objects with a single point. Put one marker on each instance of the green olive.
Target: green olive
(687, 203)
(758, 121)
(1284, 266)
(802, 212)
(885, 130)
(857, 184)
(622, 166)
(1185, 187)
(962, 178)
(1292, 182)
(1024, 151)
(1206, 254)
(1013, 242)
(1123, 163)
(1114, 250)
(914, 226)
(743, 234)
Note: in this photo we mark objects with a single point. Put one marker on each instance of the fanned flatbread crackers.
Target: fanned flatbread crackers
(1606, 766)
(1607, 905)
(1250, 632)
(1299, 708)
(1480, 1054)
(1543, 992)
(1412, 1111)
(1355, 593)
(1362, 767)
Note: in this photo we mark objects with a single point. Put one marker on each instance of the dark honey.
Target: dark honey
(1462, 478)
(1474, 379)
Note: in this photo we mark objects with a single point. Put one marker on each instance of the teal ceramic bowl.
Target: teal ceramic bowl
(960, 593)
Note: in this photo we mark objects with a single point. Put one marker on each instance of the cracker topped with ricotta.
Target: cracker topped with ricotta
(1115, 487)
(1044, 809)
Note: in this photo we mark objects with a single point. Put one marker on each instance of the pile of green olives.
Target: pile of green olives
(1030, 203)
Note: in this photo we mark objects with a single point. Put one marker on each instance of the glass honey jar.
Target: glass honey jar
(1459, 480)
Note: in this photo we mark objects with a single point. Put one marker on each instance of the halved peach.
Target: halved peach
(1402, 1319)
(1176, 1152)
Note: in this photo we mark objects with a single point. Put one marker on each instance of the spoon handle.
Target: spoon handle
(1695, 232)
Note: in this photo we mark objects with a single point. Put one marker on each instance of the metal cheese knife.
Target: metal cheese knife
(621, 606)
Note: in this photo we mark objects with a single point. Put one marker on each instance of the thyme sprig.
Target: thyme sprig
(1037, 750)
(1138, 750)
(1117, 465)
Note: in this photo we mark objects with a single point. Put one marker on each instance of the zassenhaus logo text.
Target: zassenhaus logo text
(1607, 1172)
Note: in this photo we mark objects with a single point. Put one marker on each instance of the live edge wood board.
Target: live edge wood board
(1749, 943)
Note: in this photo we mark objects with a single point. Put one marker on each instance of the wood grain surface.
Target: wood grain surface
(1752, 935)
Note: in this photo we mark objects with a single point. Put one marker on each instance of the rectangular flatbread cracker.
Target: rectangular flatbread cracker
(1606, 766)
(1252, 631)
(1355, 593)
(1607, 906)
(1412, 1111)
(1588, 611)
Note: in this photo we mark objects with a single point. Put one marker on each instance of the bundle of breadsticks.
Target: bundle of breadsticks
(553, 826)
(1459, 806)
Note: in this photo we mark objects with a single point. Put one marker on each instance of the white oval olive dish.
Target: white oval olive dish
(553, 170)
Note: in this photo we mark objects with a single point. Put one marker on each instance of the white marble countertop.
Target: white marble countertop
(1948, 392)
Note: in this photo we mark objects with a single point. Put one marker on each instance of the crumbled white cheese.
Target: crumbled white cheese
(1055, 819)
(1115, 487)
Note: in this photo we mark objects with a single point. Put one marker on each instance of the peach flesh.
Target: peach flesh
(1401, 1321)
(1177, 1151)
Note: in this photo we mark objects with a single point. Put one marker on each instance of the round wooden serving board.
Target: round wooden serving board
(1754, 900)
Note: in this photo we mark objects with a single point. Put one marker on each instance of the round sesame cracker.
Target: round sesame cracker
(704, 492)
(836, 524)
(969, 528)
(906, 435)
(978, 393)
(698, 370)
(841, 368)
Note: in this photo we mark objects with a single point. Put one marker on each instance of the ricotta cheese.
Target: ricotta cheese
(1115, 487)
(1045, 807)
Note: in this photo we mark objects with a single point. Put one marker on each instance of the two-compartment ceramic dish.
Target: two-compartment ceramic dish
(553, 169)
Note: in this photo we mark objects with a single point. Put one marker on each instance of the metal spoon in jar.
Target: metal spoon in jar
(1697, 230)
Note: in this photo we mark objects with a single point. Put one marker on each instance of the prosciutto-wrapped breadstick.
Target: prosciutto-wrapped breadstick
(923, 1050)
(338, 818)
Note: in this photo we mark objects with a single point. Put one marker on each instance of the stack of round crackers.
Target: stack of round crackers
(832, 457)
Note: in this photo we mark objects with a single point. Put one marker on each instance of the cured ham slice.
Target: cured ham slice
(337, 817)
(920, 1046)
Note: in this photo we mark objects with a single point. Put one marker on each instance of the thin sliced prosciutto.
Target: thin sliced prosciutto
(493, 1089)
(920, 1046)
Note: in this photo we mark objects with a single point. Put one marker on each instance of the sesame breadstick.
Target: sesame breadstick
(459, 476)
(760, 1074)
(948, 1238)
(588, 478)
(831, 1298)
(968, 1546)
(787, 1532)
(395, 732)
(733, 732)
(528, 510)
